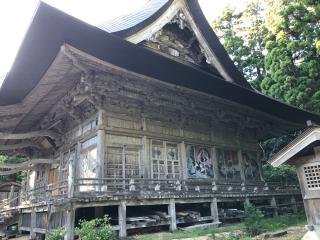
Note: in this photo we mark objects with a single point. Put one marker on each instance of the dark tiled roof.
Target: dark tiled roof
(134, 18)
(40, 47)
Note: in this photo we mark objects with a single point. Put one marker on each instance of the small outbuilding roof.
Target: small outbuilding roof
(302, 144)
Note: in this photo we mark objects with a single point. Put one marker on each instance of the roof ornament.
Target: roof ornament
(180, 19)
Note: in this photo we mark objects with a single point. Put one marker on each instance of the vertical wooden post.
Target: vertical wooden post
(242, 175)
(172, 214)
(183, 160)
(273, 204)
(146, 163)
(214, 210)
(122, 215)
(33, 224)
(215, 163)
(70, 223)
(100, 150)
(260, 166)
(294, 204)
(71, 177)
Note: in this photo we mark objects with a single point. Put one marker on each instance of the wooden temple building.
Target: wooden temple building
(145, 118)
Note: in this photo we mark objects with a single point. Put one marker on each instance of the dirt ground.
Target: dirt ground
(294, 233)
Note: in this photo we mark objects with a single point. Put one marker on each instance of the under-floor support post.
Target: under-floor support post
(214, 210)
(33, 224)
(273, 204)
(172, 214)
(122, 212)
(70, 223)
(294, 204)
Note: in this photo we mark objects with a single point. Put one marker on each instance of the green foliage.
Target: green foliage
(243, 35)
(276, 45)
(57, 234)
(253, 219)
(292, 61)
(96, 229)
(16, 177)
(285, 174)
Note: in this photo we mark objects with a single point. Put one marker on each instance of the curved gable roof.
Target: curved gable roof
(128, 25)
(51, 28)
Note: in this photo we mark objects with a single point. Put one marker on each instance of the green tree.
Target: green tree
(253, 219)
(243, 35)
(16, 177)
(293, 61)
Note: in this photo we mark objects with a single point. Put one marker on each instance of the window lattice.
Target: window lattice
(312, 174)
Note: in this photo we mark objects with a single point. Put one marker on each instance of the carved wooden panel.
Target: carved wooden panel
(123, 140)
(228, 165)
(199, 161)
(123, 123)
(194, 134)
(159, 127)
(250, 166)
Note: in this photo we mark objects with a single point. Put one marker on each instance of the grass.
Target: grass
(268, 225)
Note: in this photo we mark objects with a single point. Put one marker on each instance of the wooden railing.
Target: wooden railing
(116, 186)
(144, 188)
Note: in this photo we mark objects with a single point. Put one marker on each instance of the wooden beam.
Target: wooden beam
(18, 136)
(28, 163)
(9, 172)
(19, 146)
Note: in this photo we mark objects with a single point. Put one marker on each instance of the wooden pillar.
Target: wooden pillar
(184, 167)
(71, 177)
(260, 166)
(146, 163)
(294, 204)
(172, 214)
(215, 163)
(100, 149)
(214, 210)
(242, 175)
(33, 223)
(100, 156)
(122, 215)
(70, 223)
(273, 204)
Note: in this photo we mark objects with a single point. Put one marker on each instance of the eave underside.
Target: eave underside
(65, 72)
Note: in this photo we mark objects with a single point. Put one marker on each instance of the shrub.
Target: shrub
(56, 234)
(96, 229)
(253, 219)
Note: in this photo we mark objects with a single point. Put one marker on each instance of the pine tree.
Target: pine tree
(293, 61)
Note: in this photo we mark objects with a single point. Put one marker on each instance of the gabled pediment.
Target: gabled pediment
(177, 40)
(179, 30)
